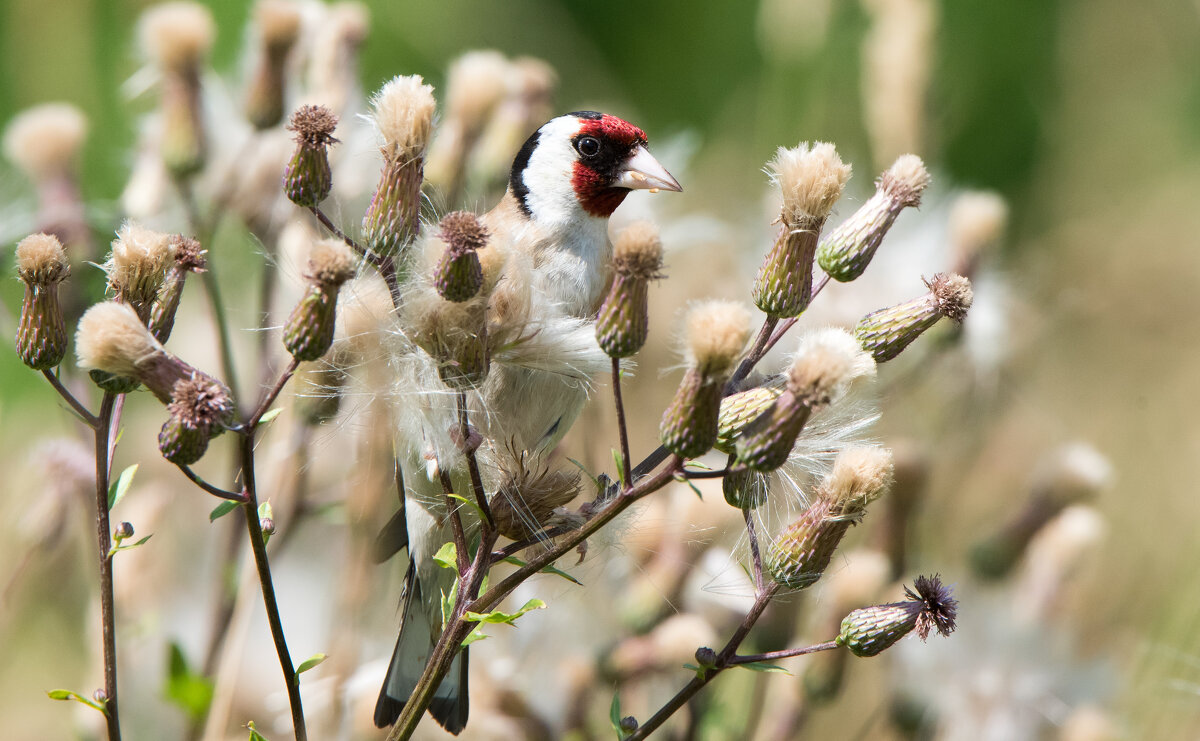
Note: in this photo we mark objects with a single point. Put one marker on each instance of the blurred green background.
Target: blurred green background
(1085, 114)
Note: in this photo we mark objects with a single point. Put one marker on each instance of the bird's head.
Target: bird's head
(584, 163)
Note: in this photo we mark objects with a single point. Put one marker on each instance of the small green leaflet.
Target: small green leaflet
(464, 500)
(447, 557)
(547, 570)
(614, 714)
(309, 663)
(118, 489)
(620, 466)
(116, 548)
(688, 481)
(762, 666)
(496, 616)
(270, 415)
(221, 510)
(69, 695)
(585, 471)
(187, 689)
(254, 734)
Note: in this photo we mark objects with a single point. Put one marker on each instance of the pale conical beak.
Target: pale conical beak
(642, 172)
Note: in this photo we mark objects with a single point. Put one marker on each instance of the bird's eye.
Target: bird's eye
(588, 146)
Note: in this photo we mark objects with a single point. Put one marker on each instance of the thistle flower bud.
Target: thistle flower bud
(111, 338)
(744, 489)
(977, 223)
(307, 179)
(277, 24)
(811, 180)
(717, 332)
(403, 114)
(308, 332)
(41, 331)
(189, 258)
(138, 265)
(800, 554)
(178, 36)
(848, 249)
(459, 274)
(826, 364)
(624, 319)
(1070, 475)
(199, 409)
(886, 332)
(526, 499)
(870, 630)
(738, 411)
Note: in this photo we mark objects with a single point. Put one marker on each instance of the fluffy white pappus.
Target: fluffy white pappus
(906, 180)
(475, 83)
(338, 31)
(177, 35)
(716, 334)
(977, 221)
(41, 255)
(403, 113)
(826, 363)
(860, 474)
(1074, 470)
(45, 140)
(811, 180)
(111, 338)
(278, 22)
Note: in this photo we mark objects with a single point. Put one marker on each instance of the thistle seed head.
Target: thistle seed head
(458, 275)
(111, 338)
(44, 141)
(41, 339)
(827, 362)
(716, 335)
(314, 125)
(177, 35)
(638, 251)
(139, 263)
(811, 180)
(905, 181)
(403, 112)
(41, 260)
(886, 332)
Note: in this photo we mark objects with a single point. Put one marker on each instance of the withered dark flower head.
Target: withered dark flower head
(314, 125)
(952, 293)
(189, 255)
(938, 607)
(463, 231)
(200, 402)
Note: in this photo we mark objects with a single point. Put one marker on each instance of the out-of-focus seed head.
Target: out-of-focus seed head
(977, 223)
(177, 35)
(930, 607)
(278, 24)
(458, 275)
(476, 82)
(41, 331)
(716, 335)
(849, 248)
(308, 179)
(44, 141)
(886, 332)
(623, 322)
(139, 263)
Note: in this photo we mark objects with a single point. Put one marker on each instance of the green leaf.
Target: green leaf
(585, 471)
(254, 734)
(185, 688)
(476, 634)
(496, 616)
(464, 500)
(118, 489)
(547, 570)
(447, 557)
(69, 695)
(762, 666)
(620, 466)
(271, 415)
(221, 510)
(116, 548)
(264, 510)
(614, 714)
(688, 481)
(310, 662)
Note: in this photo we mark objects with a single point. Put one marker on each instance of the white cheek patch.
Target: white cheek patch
(551, 197)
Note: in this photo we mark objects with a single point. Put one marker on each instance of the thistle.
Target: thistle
(44, 142)
(138, 265)
(475, 84)
(848, 249)
(278, 25)
(738, 411)
(178, 36)
(624, 319)
(821, 372)
(526, 499)
(459, 274)
(189, 258)
(41, 331)
(800, 554)
(403, 114)
(200, 409)
(717, 332)
(886, 332)
(111, 338)
(811, 180)
(870, 630)
(307, 179)
(455, 334)
(308, 332)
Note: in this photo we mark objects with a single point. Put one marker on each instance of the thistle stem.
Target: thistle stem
(103, 433)
(272, 395)
(456, 525)
(214, 490)
(786, 653)
(616, 376)
(91, 419)
(464, 431)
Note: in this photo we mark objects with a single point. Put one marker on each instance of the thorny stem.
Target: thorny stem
(457, 629)
(625, 461)
(91, 419)
(103, 434)
(725, 659)
(258, 545)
